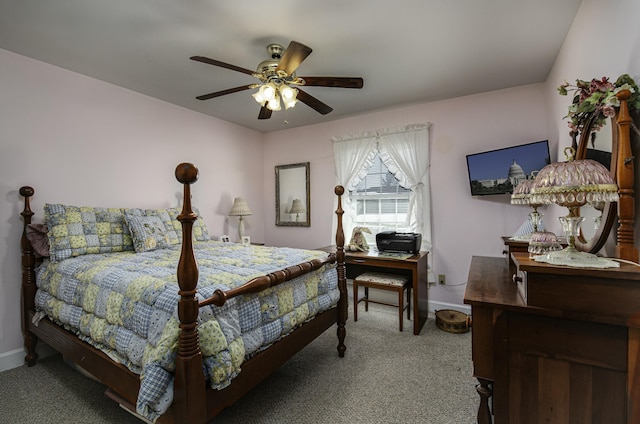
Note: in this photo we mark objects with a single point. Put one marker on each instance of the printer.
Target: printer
(398, 242)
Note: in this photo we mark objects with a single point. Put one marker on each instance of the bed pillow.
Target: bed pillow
(76, 231)
(199, 228)
(200, 232)
(164, 215)
(148, 232)
(37, 235)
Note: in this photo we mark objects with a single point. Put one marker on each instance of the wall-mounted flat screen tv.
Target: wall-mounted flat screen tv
(499, 171)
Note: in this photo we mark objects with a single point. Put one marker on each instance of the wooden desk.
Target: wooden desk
(573, 357)
(414, 267)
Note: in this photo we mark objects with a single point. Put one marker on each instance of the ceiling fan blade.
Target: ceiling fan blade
(224, 92)
(293, 57)
(343, 82)
(221, 64)
(265, 113)
(313, 103)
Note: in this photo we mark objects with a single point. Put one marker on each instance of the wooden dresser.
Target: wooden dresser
(568, 355)
(513, 246)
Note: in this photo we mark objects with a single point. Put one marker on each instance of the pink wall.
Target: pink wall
(463, 226)
(83, 142)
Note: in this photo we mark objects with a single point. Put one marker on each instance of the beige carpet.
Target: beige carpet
(385, 377)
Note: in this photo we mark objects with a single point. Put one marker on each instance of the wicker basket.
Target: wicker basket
(453, 321)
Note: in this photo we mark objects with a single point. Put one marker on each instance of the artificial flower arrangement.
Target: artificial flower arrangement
(596, 100)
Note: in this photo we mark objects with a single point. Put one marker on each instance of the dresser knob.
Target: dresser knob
(516, 278)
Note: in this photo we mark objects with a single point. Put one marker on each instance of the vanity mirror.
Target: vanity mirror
(601, 146)
(622, 169)
(293, 205)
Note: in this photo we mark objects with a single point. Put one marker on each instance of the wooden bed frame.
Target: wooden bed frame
(193, 402)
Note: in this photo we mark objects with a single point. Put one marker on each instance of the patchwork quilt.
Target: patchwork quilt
(125, 304)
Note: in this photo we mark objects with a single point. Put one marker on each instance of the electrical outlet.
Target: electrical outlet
(441, 279)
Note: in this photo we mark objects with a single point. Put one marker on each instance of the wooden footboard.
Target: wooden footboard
(193, 402)
(264, 282)
(190, 400)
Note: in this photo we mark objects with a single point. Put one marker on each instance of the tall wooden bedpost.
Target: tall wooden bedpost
(28, 279)
(342, 275)
(625, 249)
(189, 394)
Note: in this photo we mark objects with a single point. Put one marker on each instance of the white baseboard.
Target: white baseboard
(15, 358)
(11, 359)
(436, 306)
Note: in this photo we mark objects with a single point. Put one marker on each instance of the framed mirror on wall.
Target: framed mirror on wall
(293, 204)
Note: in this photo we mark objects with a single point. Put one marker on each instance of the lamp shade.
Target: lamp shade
(574, 183)
(240, 207)
(522, 193)
(297, 206)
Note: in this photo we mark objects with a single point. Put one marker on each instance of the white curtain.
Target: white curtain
(405, 152)
(353, 156)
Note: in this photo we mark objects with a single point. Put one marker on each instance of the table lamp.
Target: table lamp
(297, 208)
(522, 196)
(240, 208)
(573, 184)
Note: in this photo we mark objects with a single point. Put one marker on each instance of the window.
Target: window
(381, 202)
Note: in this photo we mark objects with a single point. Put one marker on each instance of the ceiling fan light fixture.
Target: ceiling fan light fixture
(287, 92)
(277, 75)
(274, 104)
(272, 95)
(290, 103)
(267, 94)
(259, 98)
(288, 96)
(268, 91)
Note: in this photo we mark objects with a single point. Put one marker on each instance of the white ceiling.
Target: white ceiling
(407, 51)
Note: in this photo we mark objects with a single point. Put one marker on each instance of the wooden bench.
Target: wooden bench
(382, 281)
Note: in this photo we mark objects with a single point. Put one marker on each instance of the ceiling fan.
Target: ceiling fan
(279, 82)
